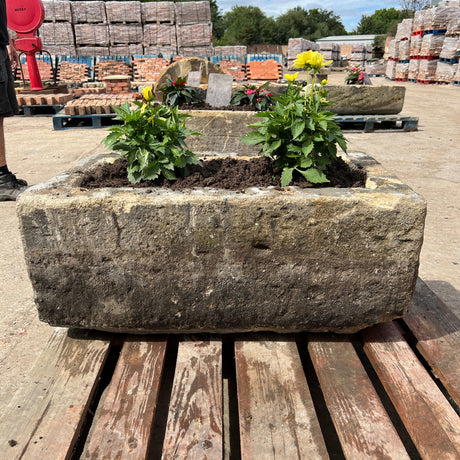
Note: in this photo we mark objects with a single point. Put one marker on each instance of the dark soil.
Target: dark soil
(225, 173)
(201, 105)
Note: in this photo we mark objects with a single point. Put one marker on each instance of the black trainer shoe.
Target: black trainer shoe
(11, 187)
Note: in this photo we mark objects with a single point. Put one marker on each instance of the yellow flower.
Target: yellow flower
(291, 77)
(313, 60)
(147, 93)
(324, 82)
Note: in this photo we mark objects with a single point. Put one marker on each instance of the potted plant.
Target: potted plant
(285, 259)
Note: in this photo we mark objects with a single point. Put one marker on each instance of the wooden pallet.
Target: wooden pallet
(37, 110)
(371, 123)
(391, 391)
(63, 121)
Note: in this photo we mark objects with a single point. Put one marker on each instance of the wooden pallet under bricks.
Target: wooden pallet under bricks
(264, 70)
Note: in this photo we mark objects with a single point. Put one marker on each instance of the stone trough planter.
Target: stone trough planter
(208, 260)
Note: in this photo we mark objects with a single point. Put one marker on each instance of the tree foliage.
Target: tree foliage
(414, 5)
(382, 21)
(310, 24)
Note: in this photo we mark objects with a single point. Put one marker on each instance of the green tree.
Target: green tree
(247, 25)
(310, 24)
(383, 21)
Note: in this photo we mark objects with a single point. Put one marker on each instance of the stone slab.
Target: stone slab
(219, 90)
(209, 260)
(194, 78)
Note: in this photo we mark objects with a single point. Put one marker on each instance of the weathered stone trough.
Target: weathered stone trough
(208, 260)
(222, 129)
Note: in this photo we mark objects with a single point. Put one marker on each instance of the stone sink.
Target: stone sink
(210, 260)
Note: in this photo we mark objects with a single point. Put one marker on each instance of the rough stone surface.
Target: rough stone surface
(218, 261)
(182, 67)
(357, 100)
(219, 90)
(222, 131)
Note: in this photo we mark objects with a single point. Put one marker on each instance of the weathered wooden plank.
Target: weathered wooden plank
(194, 427)
(428, 417)
(362, 424)
(276, 412)
(122, 430)
(437, 331)
(44, 418)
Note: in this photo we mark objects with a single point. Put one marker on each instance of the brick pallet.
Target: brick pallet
(111, 67)
(125, 34)
(126, 11)
(43, 99)
(57, 10)
(125, 50)
(96, 104)
(264, 70)
(88, 12)
(389, 391)
(73, 71)
(92, 34)
(160, 34)
(57, 33)
(192, 12)
(148, 69)
(158, 12)
(192, 35)
(45, 70)
(234, 68)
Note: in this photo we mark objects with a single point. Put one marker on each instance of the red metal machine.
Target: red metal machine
(25, 17)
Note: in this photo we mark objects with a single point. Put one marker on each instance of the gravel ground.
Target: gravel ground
(427, 160)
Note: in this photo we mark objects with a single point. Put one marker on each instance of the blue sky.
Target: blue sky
(350, 11)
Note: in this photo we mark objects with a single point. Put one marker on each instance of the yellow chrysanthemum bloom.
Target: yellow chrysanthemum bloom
(291, 77)
(147, 93)
(324, 82)
(313, 60)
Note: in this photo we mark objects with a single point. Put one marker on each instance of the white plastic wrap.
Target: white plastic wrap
(404, 29)
(414, 65)
(390, 71)
(427, 70)
(445, 72)
(404, 50)
(457, 75)
(393, 49)
(375, 69)
(449, 48)
(453, 25)
(442, 15)
(432, 45)
(415, 45)
(428, 18)
(401, 70)
(417, 24)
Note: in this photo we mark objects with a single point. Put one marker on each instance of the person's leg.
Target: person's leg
(2, 145)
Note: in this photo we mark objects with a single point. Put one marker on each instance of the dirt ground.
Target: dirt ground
(428, 160)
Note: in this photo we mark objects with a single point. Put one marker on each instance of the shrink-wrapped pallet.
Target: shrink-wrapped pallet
(92, 34)
(414, 65)
(56, 33)
(57, 10)
(445, 72)
(126, 50)
(192, 12)
(159, 34)
(404, 29)
(428, 18)
(427, 69)
(373, 68)
(92, 50)
(231, 50)
(194, 51)
(415, 45)
(125, 33)
(123, 11)
(404, 50)
(194, 34)
(449, 48)
(299, 45)
(148, 69)
(457, 75)
(165, 50)
(158, 12)
(393, 49)
(453, 25)
(61, 50)
(442, 14)
(390, 70)
(401, 70)
(432, 45)
(88, 11)
(417, 24)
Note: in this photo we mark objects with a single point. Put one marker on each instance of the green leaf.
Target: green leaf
(307, 147)
(314, 176)
(297, 128)
(253, 138)
(286, 176)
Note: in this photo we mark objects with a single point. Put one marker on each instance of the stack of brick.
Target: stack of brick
(453, 26)
(43, 99)
(91, 28)
(193, 28)
(402, 67)
(393, 55)
(404, 30)
(72, 72)
(457, 76)
(97, 103)
(234, 68)
(417, 23)
(240, 50)
(414, 65)
(125, 28)
(390, 70)
(112, 67)
(297, 46)
(159, 28)
(45, 70)
(264, 70)
(117, 84)
(56, 32)
(448, 60)
(148, 69)
(331, 52)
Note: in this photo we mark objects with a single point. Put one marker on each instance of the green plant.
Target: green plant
(258, 96)
(355, 76)
(299, 134)
(152, 138)
(176, 92)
